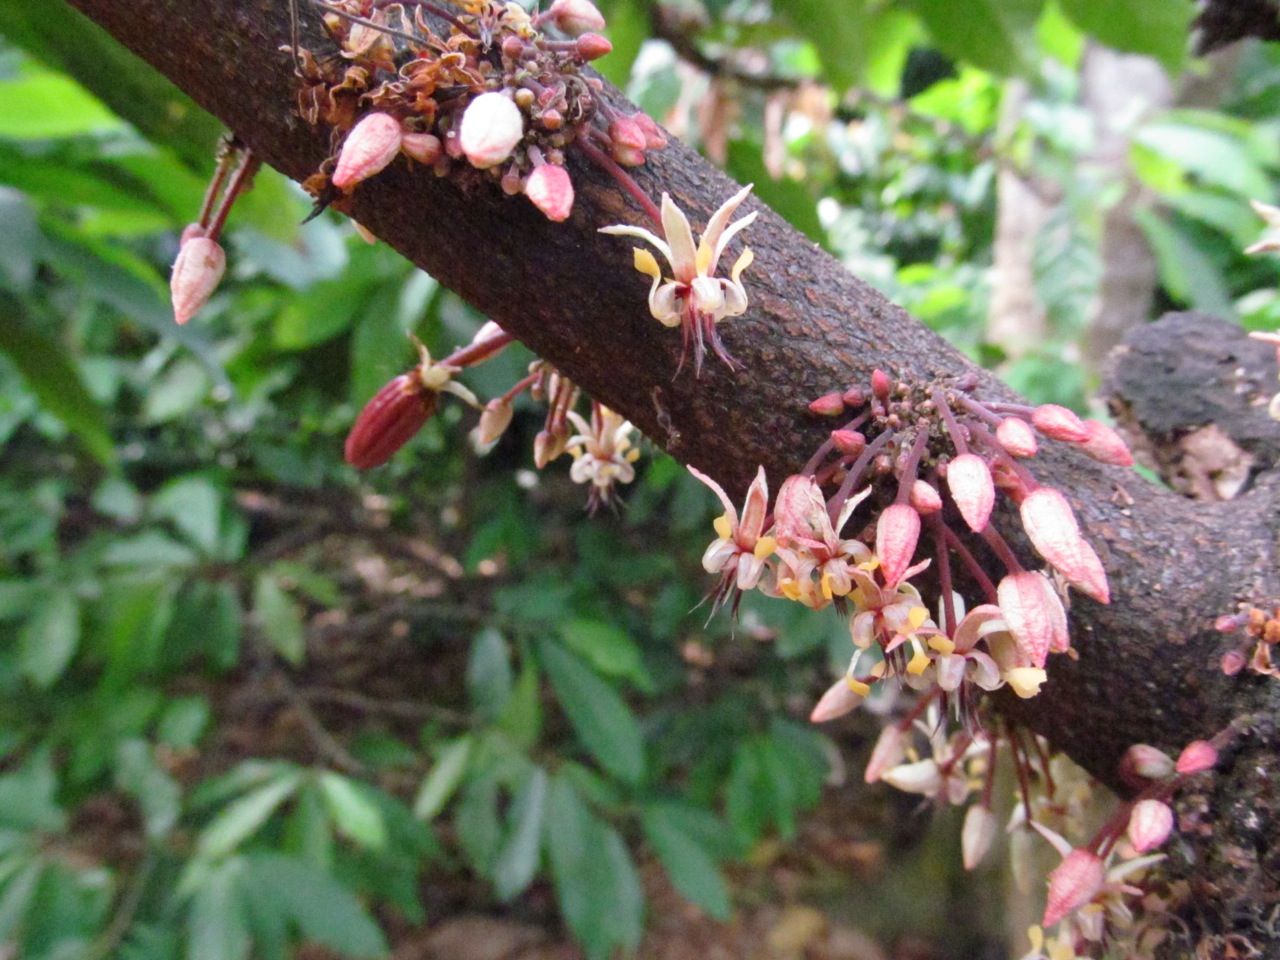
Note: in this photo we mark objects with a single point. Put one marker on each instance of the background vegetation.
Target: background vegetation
(250, 700)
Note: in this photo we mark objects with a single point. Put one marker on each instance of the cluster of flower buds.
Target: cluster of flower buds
(1260, 632)
(1272, 337)
(933, 459)
(201, 261)
(499, 96)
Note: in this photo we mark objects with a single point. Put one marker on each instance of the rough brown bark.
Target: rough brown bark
(1147, 665)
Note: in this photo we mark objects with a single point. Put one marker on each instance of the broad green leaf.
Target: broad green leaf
(323, 909)
(17, 597)
(1186, 273)
(216, 926)
(49, 639)
(489, 677)
(476, 819)
(443, 778)
(602, 720)
(156, 793)
(606, 647)
(150, 550)
(244, 817)
(280, 619)
(380, 349)
(990, 34)
(838, 31)
(690, 867)
(322, 312)
(356, 816)
(176, 392)
(521, 718)
(19, 237)
(183, 722)
(517, 860)
(1213, 156)
(193, 505)
(53, 105)
(308, 835)
(55, 381)
(28, 796)
(19, 895)
(1157, 28)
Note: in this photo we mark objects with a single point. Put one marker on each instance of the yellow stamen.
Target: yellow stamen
(942, 644)
(916, 617)
(724, 526)
(765, 546)
(919, 663)
(646, 263)
(878, 670)
(857, 686)
(743, 261)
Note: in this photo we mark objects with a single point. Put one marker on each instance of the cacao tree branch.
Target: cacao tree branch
(1147, 666)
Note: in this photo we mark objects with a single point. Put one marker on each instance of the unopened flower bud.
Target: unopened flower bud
(828, 405)
(389, 421)
(971, 488)
(855, 397)
(575, 17)
(1143, 763)
(513, 47)
(1073, 884)
(190, 232)
(897, 533)
(1059, 423)
(492, 126)
(977, 835)
(921, 777)
(548, 445)
(654, 138)
(494, 421)
(1150, 824)
(1105, 445)
(925, 498)
(551, 191)
(370, 146)
(426, 148)
(839, 699)
(1233, 661)
(1017, 437)
(849, 442)
(592, 46)
(1196, 756)
(1051, 526)
(1035, 615)
(488, 330)
(890, 750)
(881, 385)
(196, 271)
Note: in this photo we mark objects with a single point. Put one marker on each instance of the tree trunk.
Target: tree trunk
(1147, 667)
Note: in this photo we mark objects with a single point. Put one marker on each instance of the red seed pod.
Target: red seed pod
(827, 405)
(849, 442)
(389, 421)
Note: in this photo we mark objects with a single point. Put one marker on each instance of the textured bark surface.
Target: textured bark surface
(1147, 665)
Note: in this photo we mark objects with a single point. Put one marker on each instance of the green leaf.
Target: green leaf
(19, 895)
(838, 31)
(49, 639)
(1157, 28)
(151, 550)
(307, 834)
(323, 909)
(489, 673)
(602, 720)
(55, 381)
(606, 647)
(245, 816)
(157, 794)
(28, 796)
(183, 722)
(53, 105)
(355, 814)
(193, 505)
(1186, 273)
(443, 779)
(379, 346)
(217, 928)
(690, 866)
(521, 718)
(326, 310)
(517, 860)
(1212, 155)
(280, 619)
(990, 34)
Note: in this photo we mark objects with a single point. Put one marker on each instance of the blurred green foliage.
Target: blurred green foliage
(188, 571)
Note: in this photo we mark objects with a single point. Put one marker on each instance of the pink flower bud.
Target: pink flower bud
(971, 488)
(881, 385)
(1150, 824)
(849, 442)
(389, 421)
(1105, 445)
(196, 271)
(575, 17)
(925, 499)
(625, 132)
(423, 147)
(890, 750)
(1035, 616)
(551, 191)
(1228, 623)
(1073, 884)
(370, 146)
(654, 138)
(492, 126)
(1059, 423)
(548, 445)
(1052, 528)
(592, 46)
(1196, 756)
(897, 533)
(1143, 763)
(494, 421)
(827, 405)
(190, 232)
(1233, 661)
(977, 835)
(1017, 437)
(839, 699)
(855, 397)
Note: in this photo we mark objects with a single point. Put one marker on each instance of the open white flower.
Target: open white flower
(603, 454)
(693, 298)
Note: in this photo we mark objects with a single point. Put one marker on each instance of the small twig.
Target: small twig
(325, 742)
(404, 709)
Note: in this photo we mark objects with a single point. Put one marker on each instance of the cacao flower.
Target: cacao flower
(370, 146)
(196, 271)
